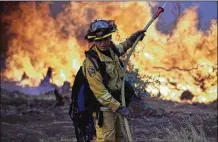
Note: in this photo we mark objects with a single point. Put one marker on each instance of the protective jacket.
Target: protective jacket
(113, 69)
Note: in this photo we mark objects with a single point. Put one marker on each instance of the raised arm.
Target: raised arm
(124, 46)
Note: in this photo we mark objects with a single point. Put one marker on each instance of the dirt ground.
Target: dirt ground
(26, 118)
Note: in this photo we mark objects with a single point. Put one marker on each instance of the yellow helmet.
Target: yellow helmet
(100, 29)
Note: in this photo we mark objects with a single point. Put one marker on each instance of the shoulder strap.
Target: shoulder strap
(98, 64)
(93, 57)
(116, 51)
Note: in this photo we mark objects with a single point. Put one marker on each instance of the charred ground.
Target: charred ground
(37, 118)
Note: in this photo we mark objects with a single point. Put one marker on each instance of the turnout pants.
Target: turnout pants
(113, 128)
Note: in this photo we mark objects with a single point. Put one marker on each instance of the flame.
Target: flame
(187, 58)
(183, 59)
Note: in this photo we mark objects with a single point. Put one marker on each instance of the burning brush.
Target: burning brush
(184, 59)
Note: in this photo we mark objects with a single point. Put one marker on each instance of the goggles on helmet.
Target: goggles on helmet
(101, 24)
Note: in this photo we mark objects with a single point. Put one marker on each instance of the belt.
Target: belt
(104, 109)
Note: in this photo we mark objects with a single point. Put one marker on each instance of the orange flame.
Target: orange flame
(184, 59)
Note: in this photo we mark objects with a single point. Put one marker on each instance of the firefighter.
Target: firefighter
(100, 33)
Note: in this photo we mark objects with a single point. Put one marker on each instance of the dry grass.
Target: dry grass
(188, 132)
(185, 129)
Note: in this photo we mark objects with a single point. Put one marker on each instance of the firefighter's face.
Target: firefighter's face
(104, 44)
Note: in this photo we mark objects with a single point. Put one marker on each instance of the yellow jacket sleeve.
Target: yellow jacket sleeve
(124, 46)
(96, 85)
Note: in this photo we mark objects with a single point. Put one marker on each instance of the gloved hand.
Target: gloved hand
(123, 110)
(134, 36)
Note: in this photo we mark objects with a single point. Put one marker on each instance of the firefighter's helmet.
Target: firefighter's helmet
(100, 29)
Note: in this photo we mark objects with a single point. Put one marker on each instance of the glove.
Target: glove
(134, 36)
(123, 110)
